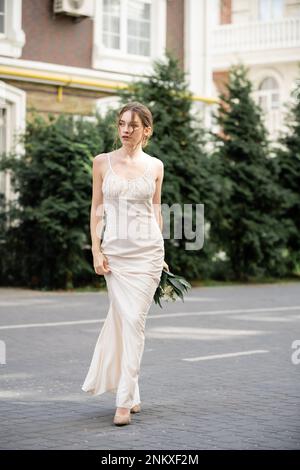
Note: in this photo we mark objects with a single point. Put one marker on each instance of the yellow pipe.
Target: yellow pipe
(71, 80)
(59, 94)
(59, 79)
(204, 99)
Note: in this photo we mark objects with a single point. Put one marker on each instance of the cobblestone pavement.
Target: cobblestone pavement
(219, 371)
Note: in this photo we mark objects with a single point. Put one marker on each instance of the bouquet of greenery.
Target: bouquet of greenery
(171, 287)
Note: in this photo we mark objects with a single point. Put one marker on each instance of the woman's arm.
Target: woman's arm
(97, 217)
(97, 212)
(157, 195)
(157, 200)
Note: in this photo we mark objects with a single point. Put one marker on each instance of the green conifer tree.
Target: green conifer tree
(288, 161)
(247, 224)
(47, 226)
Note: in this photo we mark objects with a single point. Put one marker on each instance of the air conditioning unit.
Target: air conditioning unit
(74, 7)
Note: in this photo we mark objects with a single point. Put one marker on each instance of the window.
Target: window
(126, 26)
(12, 123)
(270, 9)
(269, 98)
(138, 28)
(269, 94)
(2, 17)
(12, 37)
(2, 130)
(129, 34)
(3, 145)
(111, 23)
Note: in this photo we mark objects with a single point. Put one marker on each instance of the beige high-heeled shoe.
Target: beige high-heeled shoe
(121, 420)
(136, 409)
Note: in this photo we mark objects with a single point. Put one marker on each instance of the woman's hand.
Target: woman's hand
(165, 266)
(100, 263)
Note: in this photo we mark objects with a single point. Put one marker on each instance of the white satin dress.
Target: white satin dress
(134, 246)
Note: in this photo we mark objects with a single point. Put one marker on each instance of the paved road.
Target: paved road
(217, 372)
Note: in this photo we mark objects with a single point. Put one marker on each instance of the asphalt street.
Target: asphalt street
(219, 371)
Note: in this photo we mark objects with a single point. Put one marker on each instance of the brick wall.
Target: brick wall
(59, 39)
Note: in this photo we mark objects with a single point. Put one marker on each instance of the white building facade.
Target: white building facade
(67, 63)
(262, 34)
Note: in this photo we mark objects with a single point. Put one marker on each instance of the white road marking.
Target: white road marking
(155, 316)
(203, 299)
(221, 356)
(17, 375)
(225, 312)
(61, 323)
(25, 302)
(13, 394)
(191, 333)
(264, 318)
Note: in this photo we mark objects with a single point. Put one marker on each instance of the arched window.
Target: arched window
(269, 95)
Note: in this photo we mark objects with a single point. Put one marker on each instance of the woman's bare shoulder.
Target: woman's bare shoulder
(100, 163)
(157, 166)
(100, 157)
(156, 161)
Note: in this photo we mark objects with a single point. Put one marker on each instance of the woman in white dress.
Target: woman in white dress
(128, 249)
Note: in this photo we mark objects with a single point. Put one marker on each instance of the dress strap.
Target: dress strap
(108, 156)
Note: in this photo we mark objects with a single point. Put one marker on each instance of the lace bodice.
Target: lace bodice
(117, 186)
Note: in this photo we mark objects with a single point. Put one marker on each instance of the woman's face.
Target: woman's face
(131, 130)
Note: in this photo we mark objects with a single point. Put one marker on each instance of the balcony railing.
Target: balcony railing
(258, 35)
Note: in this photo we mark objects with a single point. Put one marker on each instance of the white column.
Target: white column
(200, 17)
(194, 44)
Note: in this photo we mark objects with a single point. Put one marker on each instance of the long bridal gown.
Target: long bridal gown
(134, 246)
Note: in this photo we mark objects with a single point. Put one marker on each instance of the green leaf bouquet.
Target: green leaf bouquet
(171, 287)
